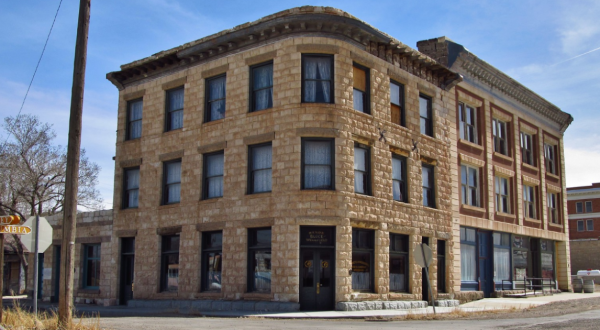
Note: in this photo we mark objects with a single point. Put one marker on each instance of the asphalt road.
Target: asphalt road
(584, 320)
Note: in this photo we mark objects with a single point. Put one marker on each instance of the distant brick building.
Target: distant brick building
(584, 221)
(296, 161)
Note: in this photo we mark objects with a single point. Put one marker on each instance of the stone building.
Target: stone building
(296, 161)
(584, 221)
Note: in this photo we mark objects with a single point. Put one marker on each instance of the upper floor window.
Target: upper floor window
(468, 122)
(550, 157)
(397, 102)
(399, 178)
(174, 111)
(527, 149)
(362, 171)
(212, 260)
(134, 119)
(579, 207)
(131, 187)
(500, 136)
(469, 182)
(426, 114)
(91, 266)
(428, 186)
(552, 208)
(502, 195)
(529, 202)
(171, 182)
(215, 98)
(259, 260)
(317, 78)
(590, 225)
(588, 207)
(580, 225)
(259, 168)
(213, 175)
(318, 163)
(361, 88)
(261, 80)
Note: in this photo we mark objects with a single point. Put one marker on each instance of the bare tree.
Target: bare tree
(32, 172)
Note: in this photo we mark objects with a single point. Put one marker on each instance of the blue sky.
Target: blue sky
(536, 42)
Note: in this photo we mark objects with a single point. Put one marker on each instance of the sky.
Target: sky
(552, 47)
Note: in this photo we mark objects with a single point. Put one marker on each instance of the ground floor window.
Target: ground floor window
(441, 271)
(169, 274)
(468, 254)
(259, 260)
(547, 256)
(520, 257)
(398, 263)
(91, 266)
(212, 256)
(363, 244)
(501, 257)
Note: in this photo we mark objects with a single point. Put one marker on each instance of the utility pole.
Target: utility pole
(65, 301)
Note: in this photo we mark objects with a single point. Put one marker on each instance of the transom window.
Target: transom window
(550, 157)
(502, 194)
(468, 122)
(362, 169)
(428, 186)
(397, 102)
(529, 201)
(361, 88)
(131, 187)
(172, 182)
(317, 163)
(399, 178)
(469, 179)
(527, 149)
(134, 119)
(215, 98)
(213, 174)
(259, 168)
(500, 136)
(398, 263)
(174, 111)
(317, 78)
(426, 115)
(261, 80)
(552, 208)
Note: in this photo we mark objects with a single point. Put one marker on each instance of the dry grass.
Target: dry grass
(18, 319)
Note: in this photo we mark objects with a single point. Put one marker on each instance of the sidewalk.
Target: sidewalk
(474, 306)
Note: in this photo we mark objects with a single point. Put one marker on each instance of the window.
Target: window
(528, 202)
(502, 195)
(588, 207)
(134, 119)
(317, 163)
(441, 266)
(317, 78)
(428, 186)
(552, 209)
(171, 182)
(213, 175)
(397, 102)
(398, 263)
(362, 169)
(590, 225)
(550, 157)
(469, 183)
(91, 266)
(468, 122)
(169, 264)
(174, 109)
(131, 187)
(259, 260)
(212, 258)
(579, 207)
(580, 225)
(527, 149)
(468, 270)
(399, 178)
(215, 98)
(363, 246)
(500, 134)
(425, 112)
(259, 168)
(261, 86)
(502, 268)
(361, 88)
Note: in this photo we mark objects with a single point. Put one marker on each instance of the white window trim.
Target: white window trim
(469, 202)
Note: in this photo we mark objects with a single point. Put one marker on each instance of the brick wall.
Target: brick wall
(583, 255)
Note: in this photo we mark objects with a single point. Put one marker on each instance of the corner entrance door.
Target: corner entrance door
(486, 265)
(127, 261)
(316, 279)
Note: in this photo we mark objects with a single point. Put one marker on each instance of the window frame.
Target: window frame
(498, 141)
(205, 177)
(207, 100)
(403, 181)
(331, 82)
(552, 204)
(252, 92)
(366, 106)
(463, 108)
(403, 253)
(130, 122)
(164, 254)
(165, 186)
(95, 259)
(467, 200)
(206, 251)
(579, 207)
(527, 149)
(126, 191)
(591, 207)
(254, 247)
(550, 158)
(370, 251)
(581, 225)
(432, 188)
(587, 225)
(169, 111)
(527, 202)
(251, 170)
(303, 163)
(499, 196)
(367, 171)
(401, 105)
(429, 119)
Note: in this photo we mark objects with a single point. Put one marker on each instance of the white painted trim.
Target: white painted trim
(579, 216)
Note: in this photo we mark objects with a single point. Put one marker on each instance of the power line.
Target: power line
(37, 66)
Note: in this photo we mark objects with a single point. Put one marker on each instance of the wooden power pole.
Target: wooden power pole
(65, 301)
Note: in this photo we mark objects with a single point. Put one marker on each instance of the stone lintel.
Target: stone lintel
(262, 222)
(130, 162)
(317, 132)
(260, 138)
(133, 95)
(169, 230)
(212, 147)
(210, 226)
(171, 155)
(261, 58)
(126, 233)
(215, 71)
(92, 240)
(318, 48)
(174, 83)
